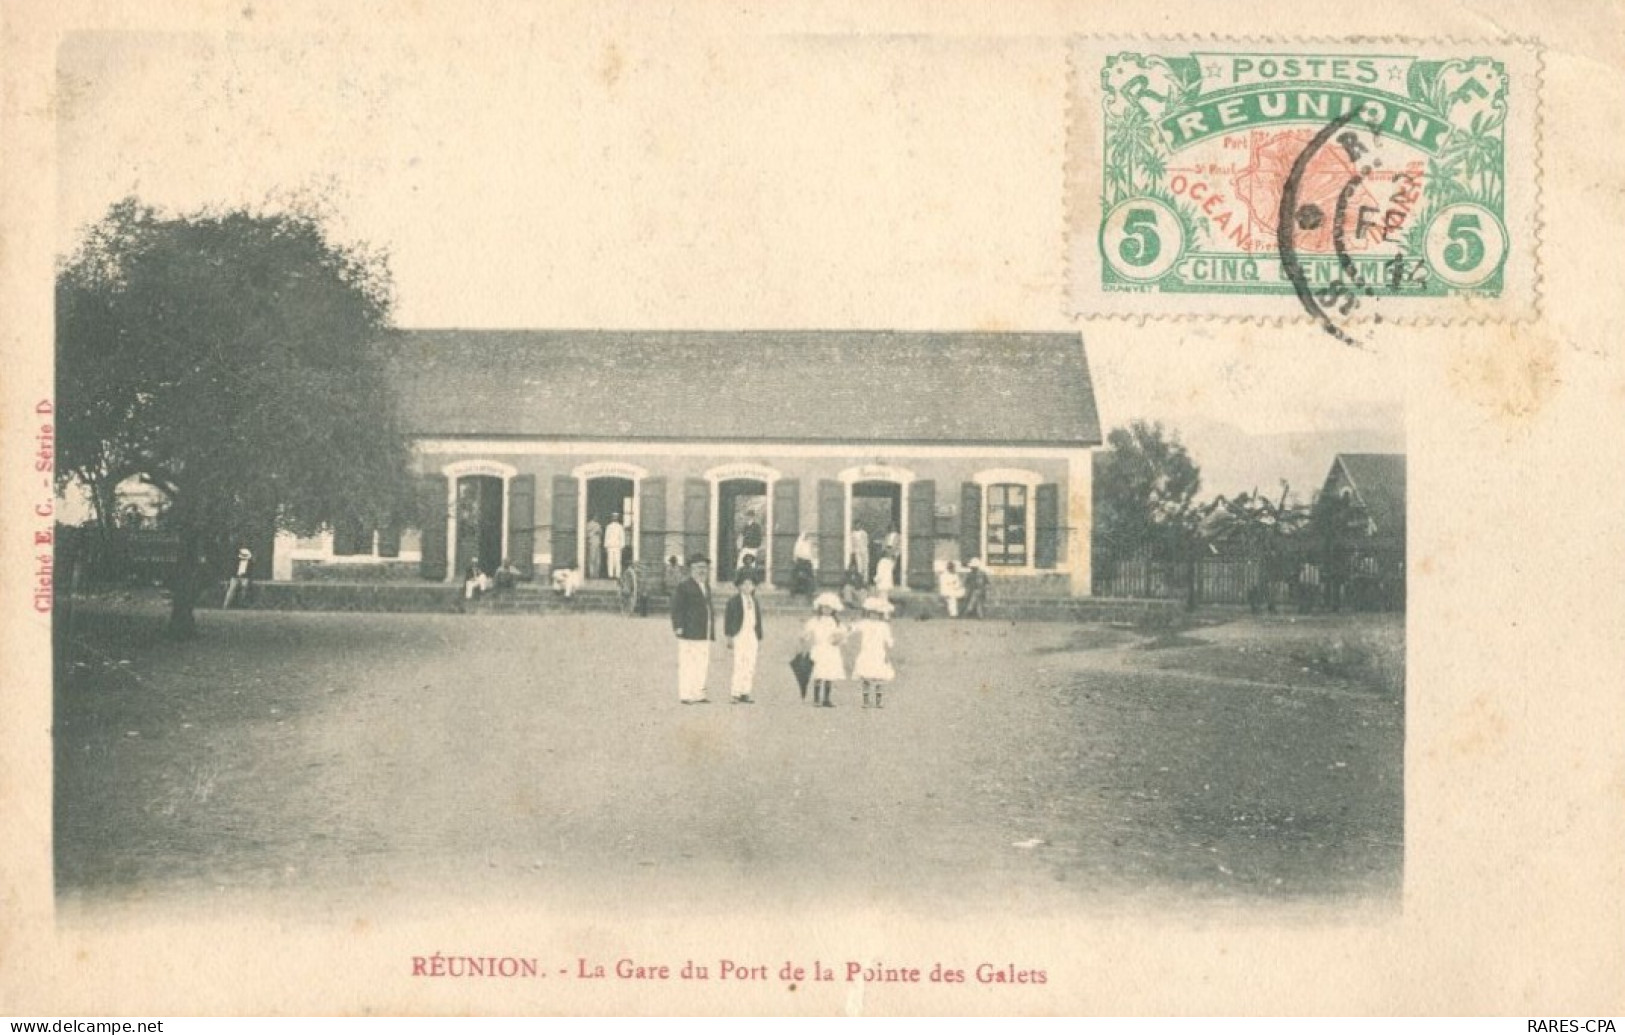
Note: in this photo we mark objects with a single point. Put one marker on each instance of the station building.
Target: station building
(960, 445)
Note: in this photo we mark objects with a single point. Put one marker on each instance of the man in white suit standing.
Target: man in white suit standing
(614, 545)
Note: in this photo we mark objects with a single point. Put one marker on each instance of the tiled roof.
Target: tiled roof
(773, 386)
(1379, 484)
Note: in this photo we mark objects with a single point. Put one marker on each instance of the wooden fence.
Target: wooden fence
(1218, 580)
(1370, 577)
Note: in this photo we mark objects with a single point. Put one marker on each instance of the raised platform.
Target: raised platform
(534, 599)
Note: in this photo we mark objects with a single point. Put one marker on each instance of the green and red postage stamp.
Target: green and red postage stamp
(1346, 184)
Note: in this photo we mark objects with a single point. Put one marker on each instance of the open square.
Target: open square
(1019, 766)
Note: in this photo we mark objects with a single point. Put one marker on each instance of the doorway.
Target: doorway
(479, 523)
(608, 498)
(742, 523)
(877, 509)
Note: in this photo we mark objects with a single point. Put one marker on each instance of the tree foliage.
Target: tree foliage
(1254, 522)
(235, 361)
(1145, 490)
(1272, 531)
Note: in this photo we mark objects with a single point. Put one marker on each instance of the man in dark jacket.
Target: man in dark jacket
(691, 620)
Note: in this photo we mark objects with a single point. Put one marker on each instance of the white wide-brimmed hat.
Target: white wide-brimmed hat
(879, 605)
(829, 600)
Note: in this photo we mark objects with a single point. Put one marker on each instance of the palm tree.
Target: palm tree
(1473, 158)
(1131, 148)
(1478, 153)
(1263, 527)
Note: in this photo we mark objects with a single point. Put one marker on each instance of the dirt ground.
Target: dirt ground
(1028, 766)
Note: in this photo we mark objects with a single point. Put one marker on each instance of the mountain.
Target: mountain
(1233, 460)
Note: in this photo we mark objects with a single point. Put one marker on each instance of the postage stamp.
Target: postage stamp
(1347, 184)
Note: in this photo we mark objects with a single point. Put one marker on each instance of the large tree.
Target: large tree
(235, 361)
(1145, 491)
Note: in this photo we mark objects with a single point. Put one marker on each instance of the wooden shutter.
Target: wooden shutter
(652, 520)
(389, 540)
(347, 538)
(432, 516)
(921, 549)
(563, 535)
(1046, 525)
(522, 524)
(696, 517)
(831, 534)
(786, 526)
(970, 521)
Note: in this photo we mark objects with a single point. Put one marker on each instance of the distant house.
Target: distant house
(528, 443)
(1375, 484)
(1367, 570)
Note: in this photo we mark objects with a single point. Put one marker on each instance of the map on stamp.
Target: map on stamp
(1346, 184)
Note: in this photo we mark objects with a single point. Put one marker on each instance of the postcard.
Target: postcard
(827, 509)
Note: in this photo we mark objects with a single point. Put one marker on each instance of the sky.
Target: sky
(538, 179)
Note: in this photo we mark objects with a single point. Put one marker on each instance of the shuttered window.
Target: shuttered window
(1006, 511)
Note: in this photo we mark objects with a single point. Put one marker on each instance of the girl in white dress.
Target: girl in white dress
(821, 638)
(874, 662)
(886, 574)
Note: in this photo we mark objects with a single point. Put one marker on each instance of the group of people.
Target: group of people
(477, 581)
(606, 547)
(874, 558)
(821, 640)
(856, 587)
(607, 551)
(964, 590)
(964, 595)
(693, 620)
(871, 568)
(820, 662)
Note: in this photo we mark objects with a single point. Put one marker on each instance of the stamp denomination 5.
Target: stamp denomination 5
(1357, 180)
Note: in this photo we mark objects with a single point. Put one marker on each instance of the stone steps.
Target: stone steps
(532, 599)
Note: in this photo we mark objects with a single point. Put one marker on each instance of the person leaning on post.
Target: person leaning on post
(695, 628)
(241, 581)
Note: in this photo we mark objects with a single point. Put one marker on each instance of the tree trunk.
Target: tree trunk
(107, 553)
(185, 586)
(1192, 561)
(104, 497)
